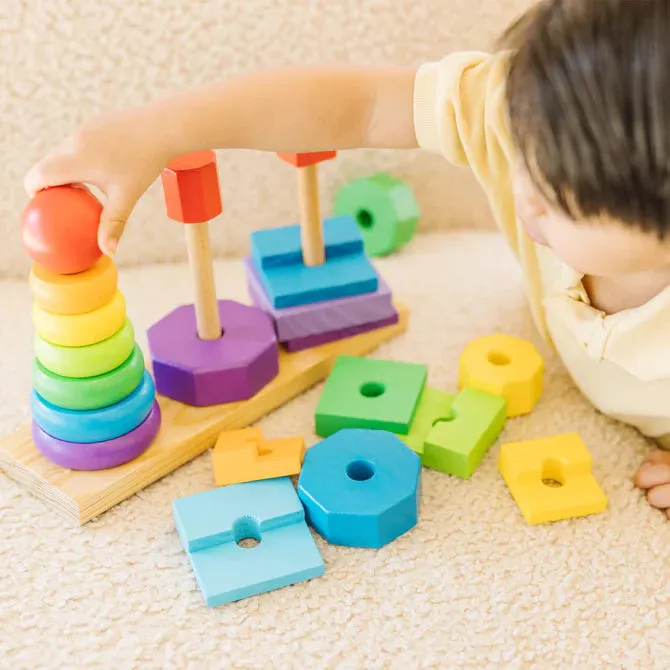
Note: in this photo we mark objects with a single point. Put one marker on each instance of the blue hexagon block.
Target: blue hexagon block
(361, 488)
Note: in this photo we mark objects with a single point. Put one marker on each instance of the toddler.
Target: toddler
(566, 127)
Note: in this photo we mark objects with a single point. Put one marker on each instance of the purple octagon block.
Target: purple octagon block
(201, 372)
(99, 455)
(310, 341)
(321, 317)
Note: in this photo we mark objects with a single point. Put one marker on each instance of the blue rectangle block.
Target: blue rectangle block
(282, 246)
(208, 518)
(287, 282)
(212, 523)
(285, 556)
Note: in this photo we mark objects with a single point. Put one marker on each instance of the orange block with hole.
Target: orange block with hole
(305, 160)
(244, 456)
(550, 479)
(191, 186)
(505, 366)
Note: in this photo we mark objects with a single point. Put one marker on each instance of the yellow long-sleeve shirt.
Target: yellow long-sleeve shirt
(621, 362)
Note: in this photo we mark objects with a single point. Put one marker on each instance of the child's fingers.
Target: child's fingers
(53, 170)
(652, 474)
(659, 496)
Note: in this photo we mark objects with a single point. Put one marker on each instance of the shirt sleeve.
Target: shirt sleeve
(460, 112)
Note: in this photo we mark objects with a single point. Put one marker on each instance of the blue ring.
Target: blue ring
(98, 425)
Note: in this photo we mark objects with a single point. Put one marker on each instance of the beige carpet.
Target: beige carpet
(471, 586)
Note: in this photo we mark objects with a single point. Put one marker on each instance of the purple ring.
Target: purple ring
(99, 455)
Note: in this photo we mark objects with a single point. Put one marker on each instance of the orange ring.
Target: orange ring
(74, 294)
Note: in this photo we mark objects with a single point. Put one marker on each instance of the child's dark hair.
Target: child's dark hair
(588, 97)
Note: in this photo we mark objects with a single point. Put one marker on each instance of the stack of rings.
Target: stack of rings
(93, 402)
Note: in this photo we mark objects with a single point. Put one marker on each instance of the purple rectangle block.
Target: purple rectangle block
(310, 341)
(322, 317)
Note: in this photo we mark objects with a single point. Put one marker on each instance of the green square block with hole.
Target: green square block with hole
(370, 393)
(457, 443)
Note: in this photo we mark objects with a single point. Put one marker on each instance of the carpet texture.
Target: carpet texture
(64, 61)
(472, 586)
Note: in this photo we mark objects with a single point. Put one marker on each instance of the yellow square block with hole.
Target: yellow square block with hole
(550, 479)
(245, 456)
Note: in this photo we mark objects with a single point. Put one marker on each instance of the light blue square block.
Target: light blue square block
(284, 556)
(277, 256)
(211, 523)
(208, 518)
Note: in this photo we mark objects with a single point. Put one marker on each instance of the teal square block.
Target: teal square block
(213, 523)
(460, 432)
(276, 254)
(370, 393)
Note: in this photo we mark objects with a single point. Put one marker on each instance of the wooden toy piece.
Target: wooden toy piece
(244, 456)
(550, 479)
(370, 393)
(89, 392)
(361, 488)
(321, 317)
(98, 425)
(90, 361)
(384, 208)
(287, 282)
(98, 455)
(311, 341)
(457, 443)
(192, 196)
(59, 229)
(433, 406)
(74, 294)
(506, 366)
(80, 330)
(313, 250)
(186, 432)
(214, 525)
(201, 373)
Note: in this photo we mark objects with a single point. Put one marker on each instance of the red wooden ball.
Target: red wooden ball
(59, 229)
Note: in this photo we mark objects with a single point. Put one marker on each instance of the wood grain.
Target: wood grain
(186, 432)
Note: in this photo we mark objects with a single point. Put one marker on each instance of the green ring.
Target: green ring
(91, 361)
(90, 392)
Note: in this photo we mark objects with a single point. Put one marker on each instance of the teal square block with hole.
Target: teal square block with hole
(276, 254)
(459, 431)
(370, 393)
(215, 528)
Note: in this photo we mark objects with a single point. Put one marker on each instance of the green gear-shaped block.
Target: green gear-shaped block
(385, 210)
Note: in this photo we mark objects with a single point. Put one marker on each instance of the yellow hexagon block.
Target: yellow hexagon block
(505, 366)
(550, 479)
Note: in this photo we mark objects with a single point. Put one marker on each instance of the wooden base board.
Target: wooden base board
(186, 432)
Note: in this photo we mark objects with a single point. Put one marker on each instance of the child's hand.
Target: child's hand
(120, 153)
(654, 478)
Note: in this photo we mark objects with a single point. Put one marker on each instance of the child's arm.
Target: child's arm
(291, 110)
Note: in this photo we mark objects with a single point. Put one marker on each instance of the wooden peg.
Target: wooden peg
(192, 197)
(311, 228)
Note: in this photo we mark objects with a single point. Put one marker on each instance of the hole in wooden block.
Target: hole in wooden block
(372, 389)
(498, 358)
(247, 532)
(364, 219)
(360, 470)
(552, 474)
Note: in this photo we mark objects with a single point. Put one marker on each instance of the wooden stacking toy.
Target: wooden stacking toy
(217, 364)
(314, 279)
(211, 352)
(93, 403)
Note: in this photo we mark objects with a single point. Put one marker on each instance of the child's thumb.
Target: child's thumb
(112, 224)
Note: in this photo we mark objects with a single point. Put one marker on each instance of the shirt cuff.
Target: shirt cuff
(426, 126)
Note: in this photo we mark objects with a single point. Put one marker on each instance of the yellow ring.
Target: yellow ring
(74, 294)
(81, 330)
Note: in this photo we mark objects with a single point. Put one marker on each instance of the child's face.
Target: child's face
(598, 248)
